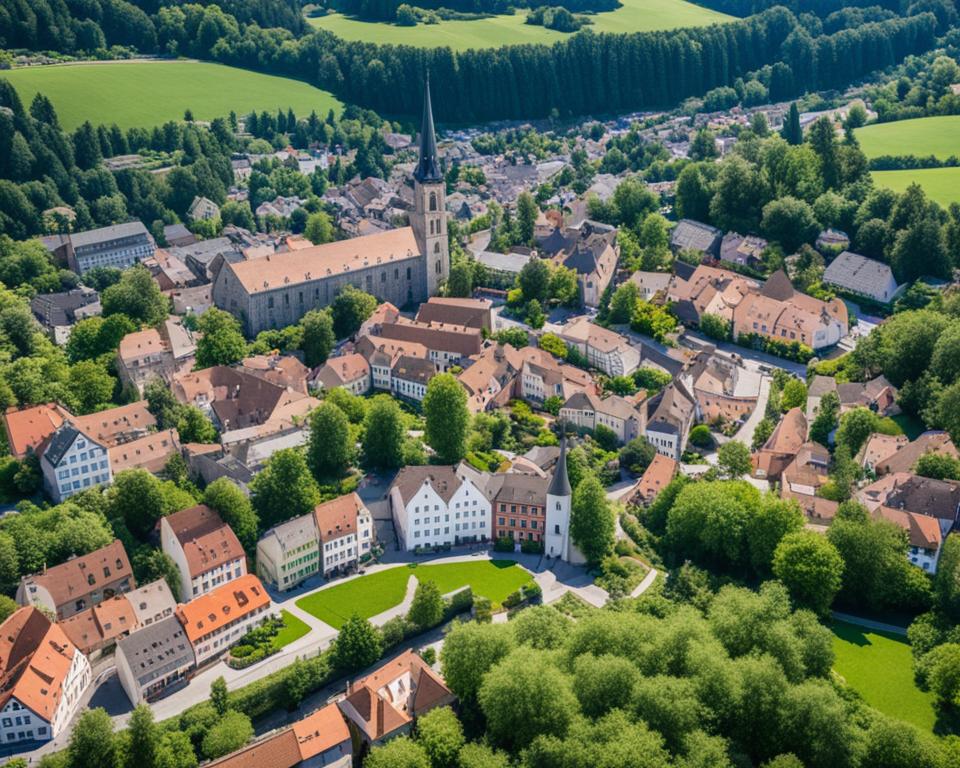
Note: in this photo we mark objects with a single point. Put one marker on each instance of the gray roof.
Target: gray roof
(502, 262)
(60, 443)
(695, 235)
(858, 273)
(94, 237)
(53, 309)
(156, 650)
(560, 484)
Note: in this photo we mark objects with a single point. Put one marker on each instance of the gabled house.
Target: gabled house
(604, 349)
(42, 678)
(655, 478)
(154, 658)
(345, 529)
(859, 275)
(203, 209)
(386, 702)
(690, 235)
(471, 313)
(289, 553)
(670, 416)
(72, 462)
(80, 583)
(626, 417)
(350, 371)
(924, 535)
(903, 457)
(745, 250)
(156, 353)
(28, 428)
(205, 549)
(782, 446)
(101, 626)
(489, 378)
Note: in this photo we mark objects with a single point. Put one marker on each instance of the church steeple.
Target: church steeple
(428, 169)
(560, 485)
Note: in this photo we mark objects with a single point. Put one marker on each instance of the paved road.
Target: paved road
(869, 623)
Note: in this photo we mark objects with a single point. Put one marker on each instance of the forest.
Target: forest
(585, 73)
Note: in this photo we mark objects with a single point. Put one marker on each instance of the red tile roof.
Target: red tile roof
(207, 541)
(225, 604)
(322, 730)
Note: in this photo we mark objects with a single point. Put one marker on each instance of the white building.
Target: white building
(42, 679)
(345, 528)
(289, 553)
(862, 276)
(206, 550)
(72, 463)
(670, 418)
(604, 349)
(436, 506)
(627, 419)
(217, 620)
(557, 542)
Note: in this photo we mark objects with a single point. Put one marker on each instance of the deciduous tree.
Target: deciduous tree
(447, 418)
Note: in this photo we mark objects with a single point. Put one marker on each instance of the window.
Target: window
(270, 302)
(433, 201)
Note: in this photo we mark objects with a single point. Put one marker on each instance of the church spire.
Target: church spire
(560, 485)
(428, 169)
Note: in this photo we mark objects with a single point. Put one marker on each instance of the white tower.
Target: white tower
(559, 498)
(429, 220)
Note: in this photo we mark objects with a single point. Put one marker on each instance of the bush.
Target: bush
(530, 547)
(700, 436)
(513, 599)
(504, 544)
(429, 655)
(461, 602)
(395, 631)
(483, 610)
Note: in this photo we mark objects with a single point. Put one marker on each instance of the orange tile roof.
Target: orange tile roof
(286, 269)
(27, 428)
(80, 576)
(277, 751)
(107, 427)
(35, 657)
(139, 344)
(338, 517)
(322, 730)
(657, 476)
(922, 531)
(227, 603)
(207, 541)
(96, 627)
(150, 452)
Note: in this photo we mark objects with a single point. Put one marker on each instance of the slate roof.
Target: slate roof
(60, 443)
(860, 274)
(154, 651)
(443, 480)
(695, 235)
(96, 237)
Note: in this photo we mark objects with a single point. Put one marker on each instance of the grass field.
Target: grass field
(147, 93)
(879, 667)
(938, 136)
(940, 184)
(492, 32)
(293, 629)
(373, 594)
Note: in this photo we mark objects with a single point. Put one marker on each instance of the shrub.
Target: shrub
(461, 602)
(700, 436)
(429, 655)
(530, 547)
(504, 544)
(483, 610)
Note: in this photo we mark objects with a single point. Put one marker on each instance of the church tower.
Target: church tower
(429, 219)
(559, 500)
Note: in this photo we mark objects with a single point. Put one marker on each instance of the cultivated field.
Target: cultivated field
(632, 16)
(880, 668)
(940, 184)
(373, 594)
(938, 136)
(145, 94)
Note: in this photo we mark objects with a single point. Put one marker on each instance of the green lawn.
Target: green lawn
(940, 184)
(145, 94)
(492, 32)
(939, 136)
(912, 426)
(880, 668)
(377, 592)
(293, 629)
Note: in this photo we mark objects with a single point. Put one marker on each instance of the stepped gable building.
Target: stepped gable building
(402, 266)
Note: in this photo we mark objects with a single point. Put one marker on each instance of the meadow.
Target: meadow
(377, 592)
(924, 136)
(495, 31)
(940, 184)
(879, 667)
(148, 93)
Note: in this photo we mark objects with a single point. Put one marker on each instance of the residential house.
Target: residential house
(859, 275)
(428, 502)
(590, 250)
(542, 376)
(489, 378)
(655, 478)
(345, 528)
(277, 750)
(690, 235)
(502, 268)
(651, 284)
(670, 416)
(282, 370)
(745, 250)
(177, 235)
(723, 389)
(323, 739)
(281, 207)
(470, 313)
(154, 658)
(939, 499)
(879, 447)
(28, 429)
(446, 344)
(289, 553)
(384, 354)
(42, 678)
(100, 626)
(878, 394)
(205, 549)
(72, 461)
(904, 458)
(604, 349)
(156, 353)
(203, 209)
(119, 246)
(782, 446)
(59, 312)
(150, 452)
(807, 473)
(707, 290)
(520, 507)
(350, 371)
(152, 602)
(218, 619)
(781, 313)
(81, 582)
(627, 418)
(386, 702)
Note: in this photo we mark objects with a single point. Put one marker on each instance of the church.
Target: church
(401, 266)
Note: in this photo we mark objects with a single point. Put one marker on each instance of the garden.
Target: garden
(266, 640)
(375, 593)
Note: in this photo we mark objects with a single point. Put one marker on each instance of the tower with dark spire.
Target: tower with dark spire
(429, 219)
(559, 501)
